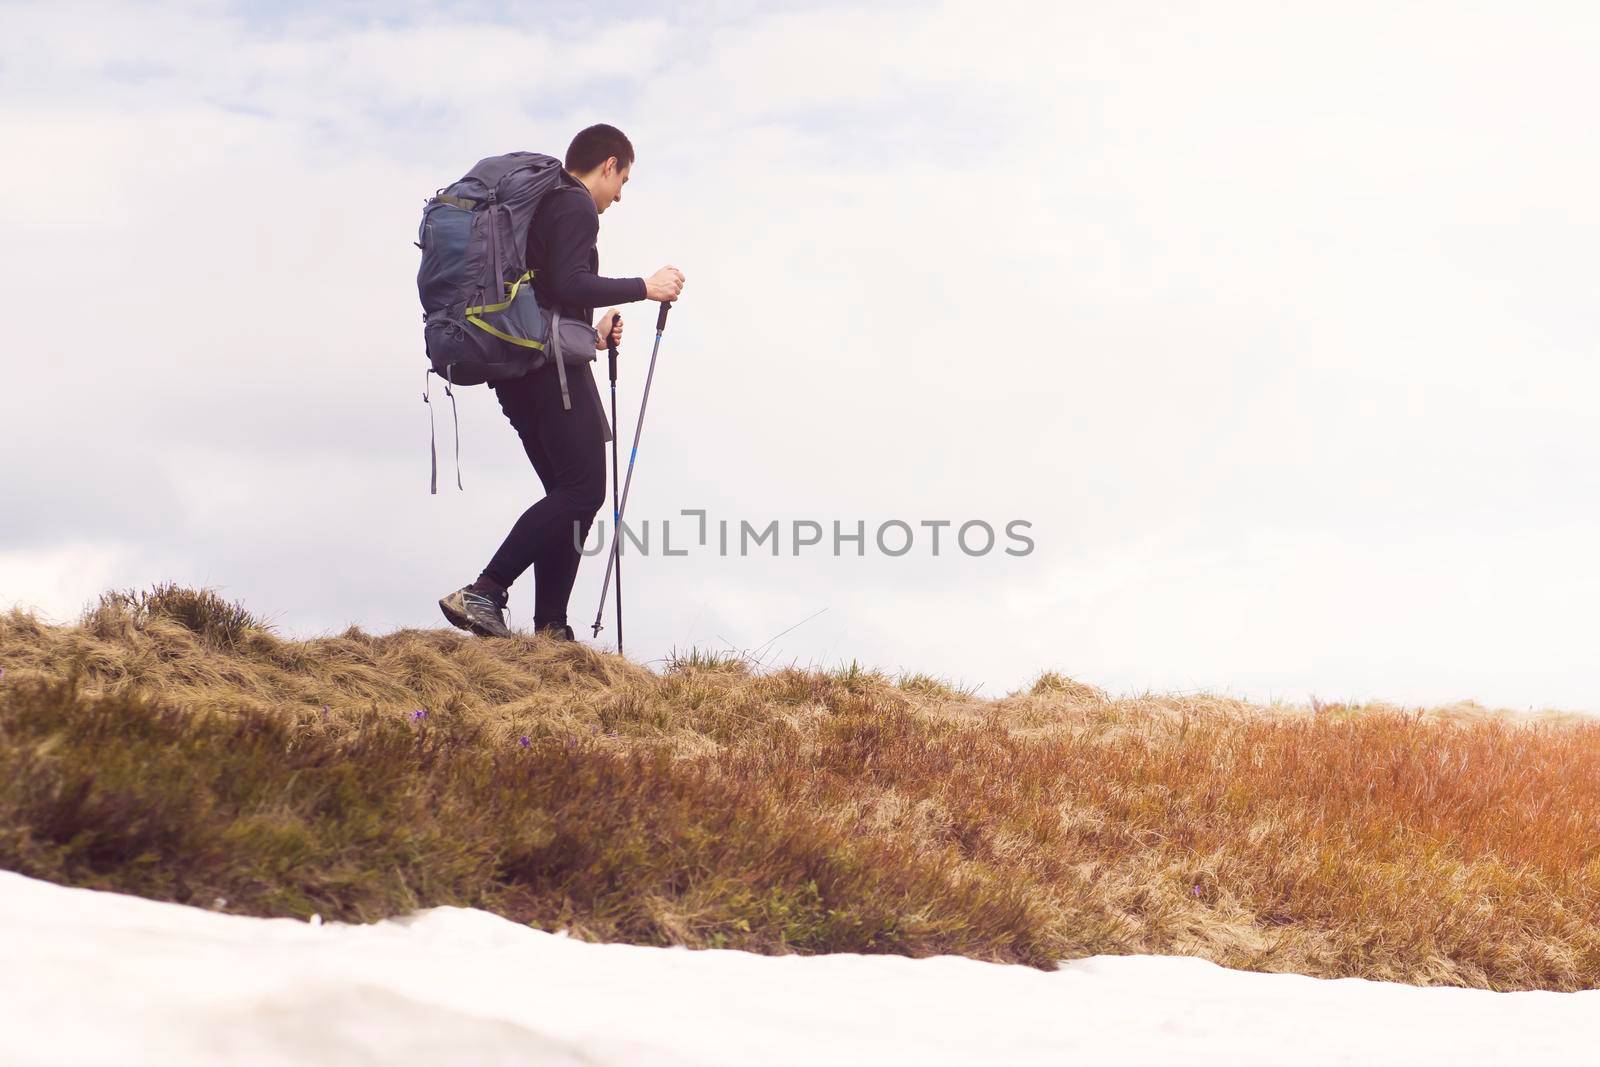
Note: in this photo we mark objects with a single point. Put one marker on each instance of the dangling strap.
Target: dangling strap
(449, 381)
(561, 364)
(433, 450)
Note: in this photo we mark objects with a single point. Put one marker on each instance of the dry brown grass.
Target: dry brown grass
(800, 810)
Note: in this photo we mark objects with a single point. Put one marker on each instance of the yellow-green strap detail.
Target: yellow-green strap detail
(486, 328)
(527, 276)
(474, 312)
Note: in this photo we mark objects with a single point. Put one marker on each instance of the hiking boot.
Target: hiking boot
(473, 611)
(557, 633)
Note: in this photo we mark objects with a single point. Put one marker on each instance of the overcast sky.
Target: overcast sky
(1277, 322)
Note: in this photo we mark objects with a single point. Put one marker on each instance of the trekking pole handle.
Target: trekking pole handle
(661, 319)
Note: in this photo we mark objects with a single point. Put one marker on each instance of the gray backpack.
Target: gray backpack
(480, 320)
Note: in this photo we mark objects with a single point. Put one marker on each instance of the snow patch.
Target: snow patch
(92, 977)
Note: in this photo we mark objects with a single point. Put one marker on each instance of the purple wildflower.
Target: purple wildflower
(1196, 890)
(523, 741)
(419, 714)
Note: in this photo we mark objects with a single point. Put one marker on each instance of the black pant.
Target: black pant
(568, 451)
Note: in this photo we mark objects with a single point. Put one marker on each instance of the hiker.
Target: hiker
(565, 445)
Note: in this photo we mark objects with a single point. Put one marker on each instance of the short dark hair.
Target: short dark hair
(595, 145)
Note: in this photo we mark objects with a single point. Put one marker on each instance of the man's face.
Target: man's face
(608, 190)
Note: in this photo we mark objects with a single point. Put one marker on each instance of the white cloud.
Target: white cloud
(1173, 284)
(60, 582)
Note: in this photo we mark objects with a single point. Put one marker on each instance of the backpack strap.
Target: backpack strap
(561, 364)
(433, 448)
(498, 281)
(450, 370)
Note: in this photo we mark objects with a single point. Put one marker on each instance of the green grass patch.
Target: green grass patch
(285, 815)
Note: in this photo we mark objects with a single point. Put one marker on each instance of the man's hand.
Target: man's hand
(609, 326)
(664, 284)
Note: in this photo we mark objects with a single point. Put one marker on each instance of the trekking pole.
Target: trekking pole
(616, 508)
(614, 559)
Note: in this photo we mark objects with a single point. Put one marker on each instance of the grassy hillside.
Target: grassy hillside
(169, 745)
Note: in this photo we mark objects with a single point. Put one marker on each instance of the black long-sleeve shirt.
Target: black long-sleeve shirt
(562, 253)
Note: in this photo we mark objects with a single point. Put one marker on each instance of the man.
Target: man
(567, 447)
